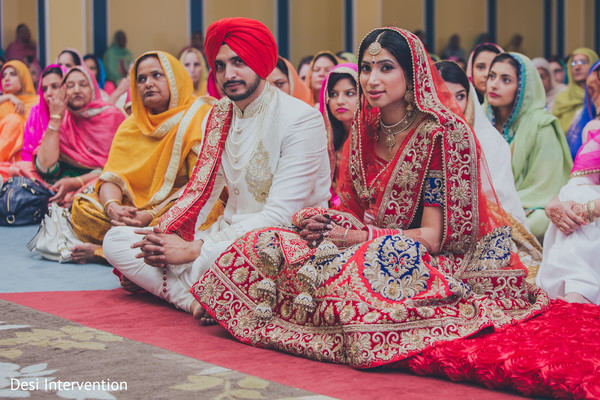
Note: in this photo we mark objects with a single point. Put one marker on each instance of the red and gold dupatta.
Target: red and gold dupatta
(398, 190)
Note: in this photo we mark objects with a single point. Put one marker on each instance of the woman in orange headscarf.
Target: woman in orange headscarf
(285, 78)
(15, 103)
(152, 154)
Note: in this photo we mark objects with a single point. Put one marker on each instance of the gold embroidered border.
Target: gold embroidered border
(166, 126)
(164, 61)
(91, 112)
(89, 198)
(585, 172)
(399, 195)
(176, 155)
(347, 218)
(205, 164)
(463, 221)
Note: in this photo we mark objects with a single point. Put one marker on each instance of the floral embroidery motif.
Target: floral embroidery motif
(434, 192)
(462, 192)
(492, 250)
(68, 337)
(351, 322)
(258, 174)
(394, 269)
(294, 248)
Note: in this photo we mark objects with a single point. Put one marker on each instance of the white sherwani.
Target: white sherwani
(274, 164)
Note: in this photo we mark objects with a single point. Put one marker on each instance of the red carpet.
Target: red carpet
(147, 320)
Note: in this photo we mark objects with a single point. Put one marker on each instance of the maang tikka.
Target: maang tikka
(375, 47)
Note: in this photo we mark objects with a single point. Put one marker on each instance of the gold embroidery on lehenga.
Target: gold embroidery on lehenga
(394, 269)
(462, 192)
(258, 174)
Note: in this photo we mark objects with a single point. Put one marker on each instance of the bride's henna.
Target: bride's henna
(415, 234)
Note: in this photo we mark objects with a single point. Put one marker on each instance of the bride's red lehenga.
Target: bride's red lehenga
(388, 301)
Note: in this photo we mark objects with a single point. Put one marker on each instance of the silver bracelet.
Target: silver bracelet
(344, 239)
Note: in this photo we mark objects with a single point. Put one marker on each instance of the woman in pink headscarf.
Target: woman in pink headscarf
(78, 136)
(39, 117)
(338, 104)
(37, 122)
(570, 269)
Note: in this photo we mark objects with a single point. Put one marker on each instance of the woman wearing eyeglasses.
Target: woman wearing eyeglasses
(571, 100)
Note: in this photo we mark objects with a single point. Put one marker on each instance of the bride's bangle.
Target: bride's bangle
(344, 239)
(589, 214)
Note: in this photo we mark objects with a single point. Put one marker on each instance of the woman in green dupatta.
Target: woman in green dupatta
(117, 58)
(571, 100)
(541, 161)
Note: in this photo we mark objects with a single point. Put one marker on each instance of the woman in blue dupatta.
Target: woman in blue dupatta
(588, 112)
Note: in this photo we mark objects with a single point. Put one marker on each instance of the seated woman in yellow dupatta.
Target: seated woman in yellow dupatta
(17, 99)
(193, 61)
(152, 154)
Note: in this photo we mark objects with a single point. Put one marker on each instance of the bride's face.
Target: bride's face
(382, 79)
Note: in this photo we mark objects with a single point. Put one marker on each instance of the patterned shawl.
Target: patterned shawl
(86, 134)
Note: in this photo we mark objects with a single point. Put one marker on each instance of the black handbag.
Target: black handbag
(23, 201)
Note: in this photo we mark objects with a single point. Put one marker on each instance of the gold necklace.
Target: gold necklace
(392, 130)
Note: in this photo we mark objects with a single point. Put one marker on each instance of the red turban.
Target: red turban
(251, 40)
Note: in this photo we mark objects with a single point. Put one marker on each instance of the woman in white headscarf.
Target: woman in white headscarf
(551, 87)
